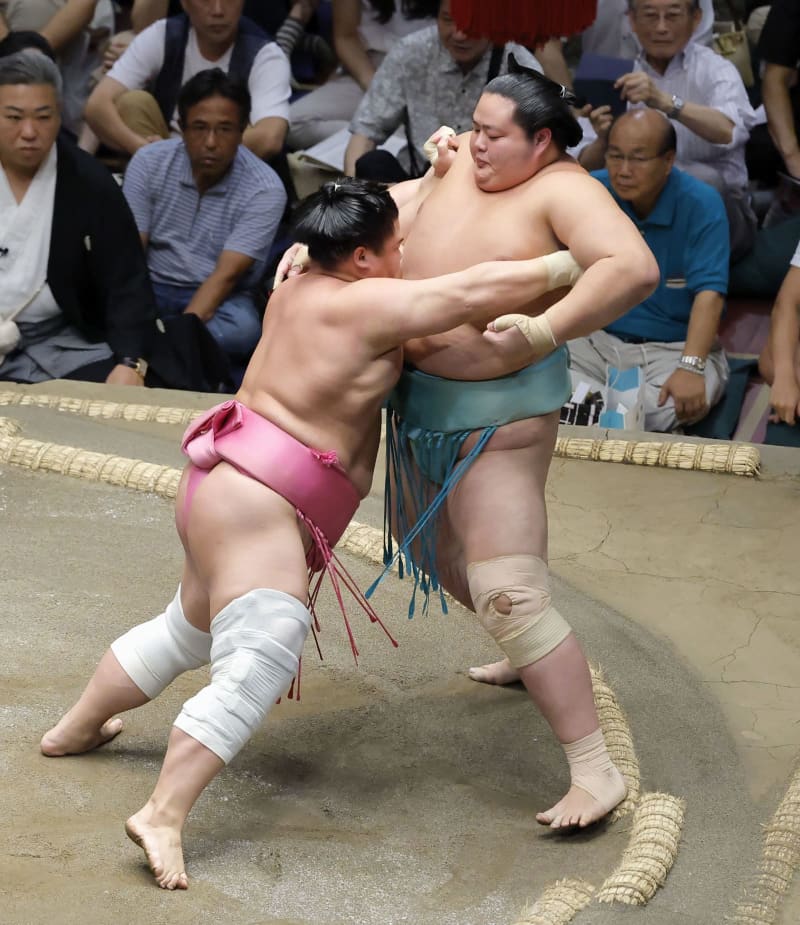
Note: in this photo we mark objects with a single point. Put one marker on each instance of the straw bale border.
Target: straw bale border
(763, 899)
(558, 904)
(733, 459)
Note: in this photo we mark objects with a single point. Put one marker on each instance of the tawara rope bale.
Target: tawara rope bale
(106, 410)
(84, 464)
(779, 860)
(559, 903)
(734, 458)
(619, 741)
(651, 851)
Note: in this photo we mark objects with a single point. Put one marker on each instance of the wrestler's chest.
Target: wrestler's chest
(457, 232)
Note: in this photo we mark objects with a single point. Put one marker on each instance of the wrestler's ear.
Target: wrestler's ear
(361, 258)
(542, 139)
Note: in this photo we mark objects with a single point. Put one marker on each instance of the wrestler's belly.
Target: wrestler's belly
(464, 353)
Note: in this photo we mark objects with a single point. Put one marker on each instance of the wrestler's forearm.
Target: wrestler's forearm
(608, 289)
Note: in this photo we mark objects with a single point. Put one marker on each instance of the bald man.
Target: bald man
(672, 334)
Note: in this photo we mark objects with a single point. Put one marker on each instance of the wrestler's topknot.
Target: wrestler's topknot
(344, 214)
(539, 103)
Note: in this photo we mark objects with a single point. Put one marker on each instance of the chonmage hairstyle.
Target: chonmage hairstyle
(539, 103)
(30, 67)
(214, 82)
(343, 215)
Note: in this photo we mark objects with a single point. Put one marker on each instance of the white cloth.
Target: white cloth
(381, 36)
(269, 80)
(25, 246)
(611, 33)
(795, 261)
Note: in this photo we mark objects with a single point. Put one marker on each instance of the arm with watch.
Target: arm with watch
(705, 121)
(687, 384)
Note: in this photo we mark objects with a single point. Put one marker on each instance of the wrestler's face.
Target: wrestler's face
(215, 21)
(212, 135)
(388, 260)
(503, 156)
(465, 51)
(29, 123)
(664, 27)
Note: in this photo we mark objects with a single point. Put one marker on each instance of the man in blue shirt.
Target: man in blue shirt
(672, 335)
(207, 210)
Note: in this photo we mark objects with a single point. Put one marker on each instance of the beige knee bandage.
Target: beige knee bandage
(533, 628)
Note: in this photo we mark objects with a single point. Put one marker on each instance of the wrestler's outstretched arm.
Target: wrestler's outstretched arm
(389, 312)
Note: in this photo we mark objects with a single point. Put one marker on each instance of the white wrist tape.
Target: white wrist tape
(153, 654)
(537, 331)
(430, 147)
(562, 269)
(255, 653)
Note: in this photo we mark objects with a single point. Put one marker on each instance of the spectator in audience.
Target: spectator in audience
(672, 335)
(207, 210)
(779, 49)
(364, 31)
(268, 14)
(75, 298)
(431, 77)
(286, 24)
(73, 29)
(611, 33)
(702, 94)
(779, 362)
(171, 51)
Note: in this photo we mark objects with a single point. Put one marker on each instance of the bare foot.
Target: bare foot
(66, 738)
(581, 808)
(162, 847)
(496, 673)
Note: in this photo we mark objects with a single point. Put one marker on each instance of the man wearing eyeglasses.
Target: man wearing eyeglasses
(672, 334)
(207, 210)
(703, 96)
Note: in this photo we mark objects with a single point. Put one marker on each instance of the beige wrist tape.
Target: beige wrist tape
(562, 269)
(430, 148)
(301, 258)
(537, 331)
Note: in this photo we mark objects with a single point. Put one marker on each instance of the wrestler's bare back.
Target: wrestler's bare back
(313, 375)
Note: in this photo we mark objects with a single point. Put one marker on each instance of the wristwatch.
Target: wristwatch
(677, 108)
(693, 364)
(139, 366)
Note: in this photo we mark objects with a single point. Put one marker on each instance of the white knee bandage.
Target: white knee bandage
(153, 654)
(255, 653)
(533, 627)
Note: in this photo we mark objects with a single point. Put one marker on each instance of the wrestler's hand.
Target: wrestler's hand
(688, 391)
(441, 149)
(536, 331)
(293, 263)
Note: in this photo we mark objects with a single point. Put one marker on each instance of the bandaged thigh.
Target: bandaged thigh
(533, 627)
(257, 642)
(153, 654)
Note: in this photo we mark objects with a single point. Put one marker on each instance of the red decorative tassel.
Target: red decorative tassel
(528, 22)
